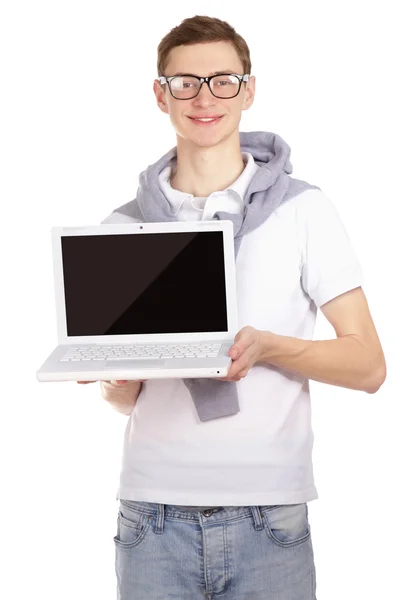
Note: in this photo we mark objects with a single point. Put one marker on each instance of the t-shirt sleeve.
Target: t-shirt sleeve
(329, 264)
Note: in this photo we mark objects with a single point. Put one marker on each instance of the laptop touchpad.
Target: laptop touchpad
(143, 363)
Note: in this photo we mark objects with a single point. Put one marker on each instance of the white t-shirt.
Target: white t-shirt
(297, 260)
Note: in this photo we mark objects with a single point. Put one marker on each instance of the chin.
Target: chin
(206, 139)
(206, 143)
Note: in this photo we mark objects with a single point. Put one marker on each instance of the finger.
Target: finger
(237, 376)
(241, 367)
(243, 373)
(124, 381)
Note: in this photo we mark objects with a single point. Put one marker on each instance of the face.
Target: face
(204, 60)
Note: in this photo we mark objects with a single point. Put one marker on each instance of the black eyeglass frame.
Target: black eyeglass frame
(242, 78)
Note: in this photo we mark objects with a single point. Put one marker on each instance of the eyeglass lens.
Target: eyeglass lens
(222, 86)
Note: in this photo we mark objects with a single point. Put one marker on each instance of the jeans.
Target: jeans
(164, 552)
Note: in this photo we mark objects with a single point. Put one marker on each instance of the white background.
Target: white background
(78, 124)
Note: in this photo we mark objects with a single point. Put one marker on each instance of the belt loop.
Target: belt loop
(159, 528)
(257, 518)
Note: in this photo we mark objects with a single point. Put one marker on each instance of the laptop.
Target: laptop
(143, 301)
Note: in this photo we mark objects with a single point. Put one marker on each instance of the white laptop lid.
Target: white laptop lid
(145, 282)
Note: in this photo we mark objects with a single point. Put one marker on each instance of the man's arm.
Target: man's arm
(354, 360)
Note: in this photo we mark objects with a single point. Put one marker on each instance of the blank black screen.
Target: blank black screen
(144, 283)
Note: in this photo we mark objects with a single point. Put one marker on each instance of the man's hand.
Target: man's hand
(121, 394)
(245, 352)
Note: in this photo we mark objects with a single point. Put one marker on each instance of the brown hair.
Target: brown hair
(200, 30)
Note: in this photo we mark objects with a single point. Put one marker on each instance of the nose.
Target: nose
(204, 97)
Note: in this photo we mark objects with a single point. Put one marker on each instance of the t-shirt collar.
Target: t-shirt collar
(176, 197)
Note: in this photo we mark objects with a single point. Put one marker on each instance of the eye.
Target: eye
(226, 81)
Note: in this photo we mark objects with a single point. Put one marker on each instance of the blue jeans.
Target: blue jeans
(164, 552)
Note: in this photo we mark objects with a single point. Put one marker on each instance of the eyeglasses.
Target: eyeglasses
(186, 87)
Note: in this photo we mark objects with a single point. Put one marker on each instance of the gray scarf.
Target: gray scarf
(270, 186)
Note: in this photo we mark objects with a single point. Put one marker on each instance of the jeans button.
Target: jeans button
(208, 512)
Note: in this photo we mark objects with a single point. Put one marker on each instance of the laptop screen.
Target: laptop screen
(144, 283)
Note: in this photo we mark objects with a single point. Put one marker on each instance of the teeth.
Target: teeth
(206, 120)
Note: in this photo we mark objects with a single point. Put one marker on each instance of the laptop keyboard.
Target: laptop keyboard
(137, 351)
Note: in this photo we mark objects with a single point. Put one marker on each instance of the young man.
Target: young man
(219, 506)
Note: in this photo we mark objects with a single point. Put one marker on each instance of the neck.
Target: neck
(203, 170)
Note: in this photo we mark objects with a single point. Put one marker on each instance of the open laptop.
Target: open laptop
(143, 301)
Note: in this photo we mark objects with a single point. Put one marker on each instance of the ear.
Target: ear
(160, 96)
(250, 91)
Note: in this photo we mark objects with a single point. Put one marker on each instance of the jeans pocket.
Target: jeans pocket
(132, 526)
(287, 525)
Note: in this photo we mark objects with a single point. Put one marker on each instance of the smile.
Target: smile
(205, 120)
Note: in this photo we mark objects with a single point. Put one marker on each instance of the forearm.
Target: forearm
(343, 361)
(121, 397)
